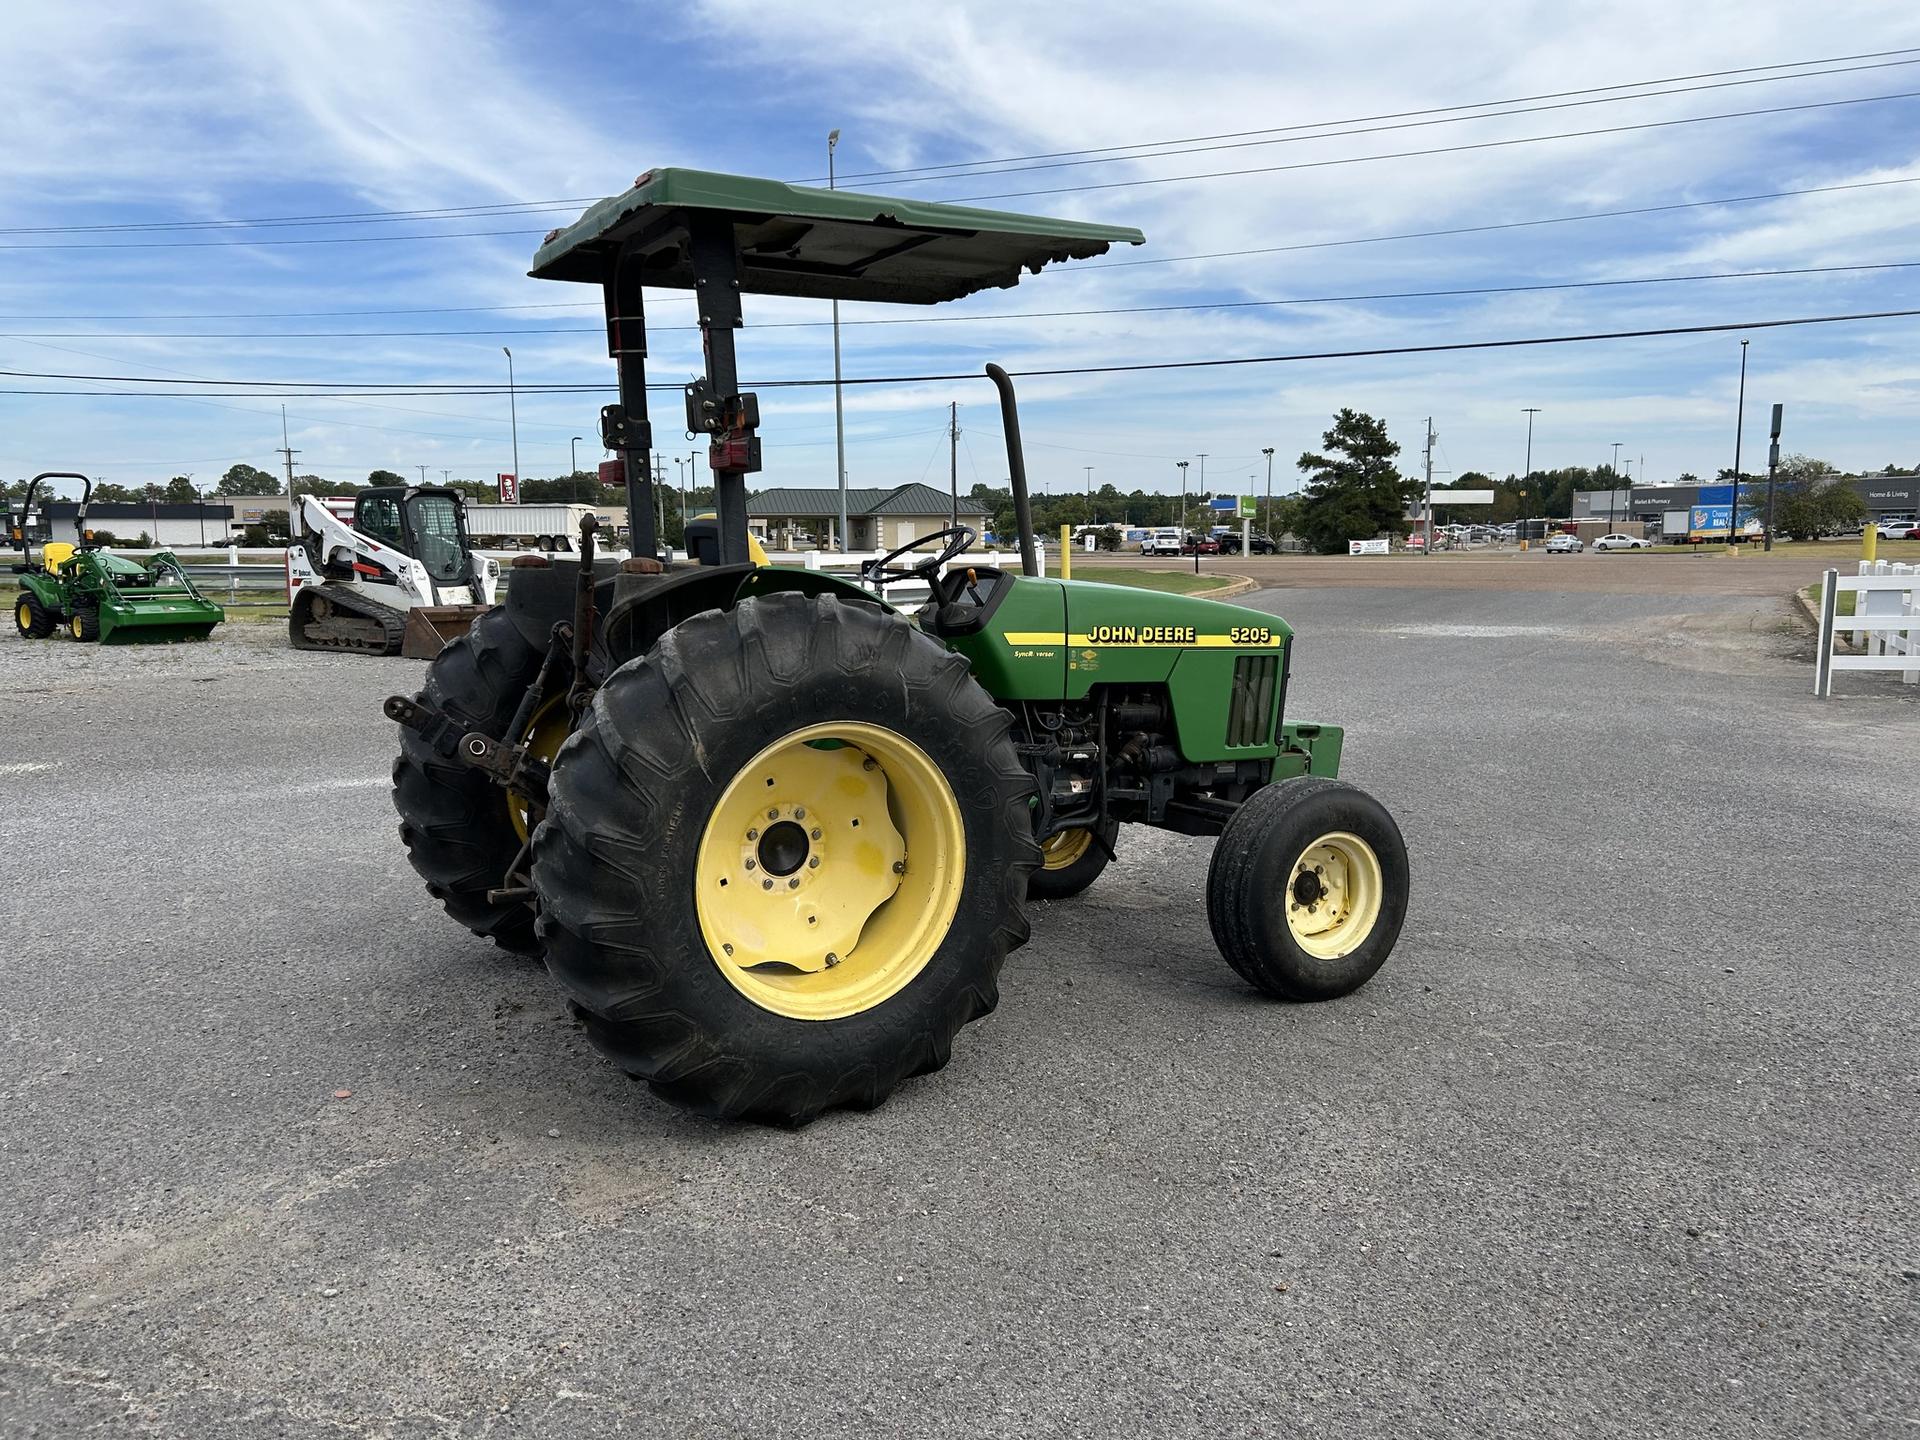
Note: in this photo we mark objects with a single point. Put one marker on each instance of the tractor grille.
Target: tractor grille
(1250, 715)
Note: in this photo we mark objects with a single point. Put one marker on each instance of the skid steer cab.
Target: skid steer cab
(774, 834)
(88, 593)
(402, 579)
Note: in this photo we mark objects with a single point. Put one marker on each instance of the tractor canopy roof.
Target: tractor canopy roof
(824, 244)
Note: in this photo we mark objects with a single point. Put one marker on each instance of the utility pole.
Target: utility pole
(1183, 504)
(1429, 469)
(293, 505)
(1526, 480)
(953, 461)
(1613, 484)
(423, 473)
(1089, 470)
(513, 415)
(1266, 514)
(839, 410)
(1773, 464)
(1739, 421)
(446, 477)
(1183, 501)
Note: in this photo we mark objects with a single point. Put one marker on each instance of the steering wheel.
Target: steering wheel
(883, 570)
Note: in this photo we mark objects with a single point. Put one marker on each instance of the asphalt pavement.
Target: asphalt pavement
(1620, 1143)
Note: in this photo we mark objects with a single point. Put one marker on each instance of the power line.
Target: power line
(1501, 225)
(1329, 162)
(1435, 150)
(1451, 293)
(325, 390)
(1368, 119)
(1149, 152)
(1640, 89)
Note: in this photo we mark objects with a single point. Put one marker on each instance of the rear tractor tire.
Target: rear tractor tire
(84, 625)
(1308, 888)
(785, 858)
(1070, 861)
(31, 618)
(461, 830)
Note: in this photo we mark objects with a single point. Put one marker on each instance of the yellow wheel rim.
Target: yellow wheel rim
(1333, 895)
(830, 871)
(545, 732)
(1061, 850)
(73, 626)
(23, 615)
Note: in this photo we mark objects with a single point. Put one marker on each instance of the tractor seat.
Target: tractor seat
(54, 554)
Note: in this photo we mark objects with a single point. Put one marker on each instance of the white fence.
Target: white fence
(1885, 631)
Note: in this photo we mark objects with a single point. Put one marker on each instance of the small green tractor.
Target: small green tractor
(775, 835)
(94, 594)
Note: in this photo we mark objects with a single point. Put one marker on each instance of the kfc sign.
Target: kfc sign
(509, 489)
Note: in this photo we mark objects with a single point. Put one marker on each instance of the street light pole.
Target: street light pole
(1089, 470)
(573, 457)
(513, 415)
(1613, 484)
(839, 410)
(1183, 502)
(1266, 514)
(1739, 421)
(1526, 480)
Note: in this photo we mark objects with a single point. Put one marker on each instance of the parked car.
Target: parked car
(1163, 541)
(1622, 542)
(1564, 545)
(1896, 529)
(1416, 542)
(1200, 545)
(1259, 544)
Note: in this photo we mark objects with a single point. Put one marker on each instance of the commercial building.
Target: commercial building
(785, 517)
(1884, 495)
(170, 526)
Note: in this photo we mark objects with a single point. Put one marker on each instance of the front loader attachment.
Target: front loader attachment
(157, 618)
(431, 628)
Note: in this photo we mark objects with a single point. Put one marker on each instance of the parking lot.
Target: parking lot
(1621, 1142)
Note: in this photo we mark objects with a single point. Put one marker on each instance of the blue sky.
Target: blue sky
(221, 111)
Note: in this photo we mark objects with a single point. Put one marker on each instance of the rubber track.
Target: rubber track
(453, 819)
(620, 931)
(355, 607)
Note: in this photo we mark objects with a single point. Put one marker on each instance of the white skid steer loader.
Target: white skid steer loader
(402, 579)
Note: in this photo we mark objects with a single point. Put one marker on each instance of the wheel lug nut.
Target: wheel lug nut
(868, 765)
(794, 883)
(799, 812)
(813, 862)
(750, 862)
(773, 814)
(899, 867)
(832, 959)
(815, 832)
(766, 884)
(753, 834)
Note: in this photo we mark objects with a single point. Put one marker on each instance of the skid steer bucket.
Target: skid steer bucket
(431, 628)
(137, 617)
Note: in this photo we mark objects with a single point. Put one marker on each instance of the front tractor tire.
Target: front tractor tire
(784, 859)
(1071, 860)
(463, 832)
(1308, 888)
(84, 624)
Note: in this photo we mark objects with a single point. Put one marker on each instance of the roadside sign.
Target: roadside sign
(1463, 497)
(509, 489)
(1367, 547)
(1249, 507)
(1226, 504)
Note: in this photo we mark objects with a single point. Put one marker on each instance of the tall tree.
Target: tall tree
(1355, 490)
(244, 479)
(180, 491)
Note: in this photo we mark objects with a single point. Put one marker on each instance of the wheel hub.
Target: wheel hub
(829, 870)
(1334, 895)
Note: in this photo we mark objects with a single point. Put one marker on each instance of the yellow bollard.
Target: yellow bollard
(1066, 552)
(1869, 540)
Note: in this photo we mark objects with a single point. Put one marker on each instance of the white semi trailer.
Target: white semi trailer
(527, 527)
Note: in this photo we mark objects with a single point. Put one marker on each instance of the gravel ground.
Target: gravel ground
(1621, 1143)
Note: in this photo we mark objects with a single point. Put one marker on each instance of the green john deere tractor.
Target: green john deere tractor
(94, 594)
(775, 835)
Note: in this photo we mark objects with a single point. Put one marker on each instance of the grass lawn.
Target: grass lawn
(1177, 582)
(1842, 602)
